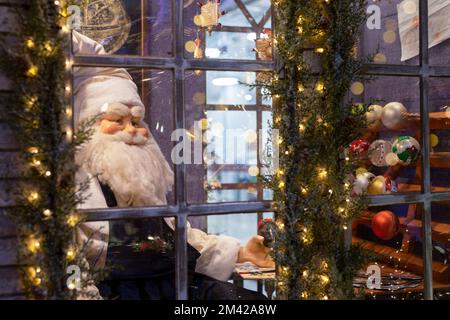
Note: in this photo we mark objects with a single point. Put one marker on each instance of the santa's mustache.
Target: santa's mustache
(123, 136)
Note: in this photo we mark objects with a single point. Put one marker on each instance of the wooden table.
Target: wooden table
(267, 281)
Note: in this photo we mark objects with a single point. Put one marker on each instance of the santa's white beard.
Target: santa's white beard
(133, 167)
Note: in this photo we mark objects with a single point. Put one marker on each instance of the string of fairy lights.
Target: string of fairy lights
(312, 192)
(40, 113)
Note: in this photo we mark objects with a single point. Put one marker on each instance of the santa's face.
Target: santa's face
(124, 155)
(130, 128)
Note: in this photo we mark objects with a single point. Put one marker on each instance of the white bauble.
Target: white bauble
(361, 182)
(393, 115)
(373, 117)
(378, 151)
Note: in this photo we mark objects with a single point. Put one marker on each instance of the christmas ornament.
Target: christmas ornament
(209, 15)
(377, 152)
(361, 182)
(392, 159)
(198, 51)
(373, 117)
(360, 170)
(382, 185)
(264, 45)
(393, 115)
(385, 225)
(434, 140)
(107, 22)
(359, 148)
(407, 149)
(152, 244)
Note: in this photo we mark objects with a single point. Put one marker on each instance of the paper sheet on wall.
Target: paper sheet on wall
(408, 22)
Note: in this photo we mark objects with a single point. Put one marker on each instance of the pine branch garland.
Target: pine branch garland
(34, 59)
(316, 123)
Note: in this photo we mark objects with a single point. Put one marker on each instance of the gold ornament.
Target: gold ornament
(107, 22)
(198, 52)
(434, 140)
(209, 15)
(190, 46)
(377, 186)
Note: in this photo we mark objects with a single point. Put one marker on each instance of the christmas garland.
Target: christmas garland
(315, 42)
(38, 110)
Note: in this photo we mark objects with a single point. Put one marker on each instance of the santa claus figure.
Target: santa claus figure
(126, 168)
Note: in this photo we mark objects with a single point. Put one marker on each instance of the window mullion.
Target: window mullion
(425, 136)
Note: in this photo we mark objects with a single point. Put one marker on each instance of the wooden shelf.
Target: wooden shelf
(409, 187)
(440, 160)
(412, 263)
(438, 120)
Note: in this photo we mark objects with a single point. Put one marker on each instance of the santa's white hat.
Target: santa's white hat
(99, 90)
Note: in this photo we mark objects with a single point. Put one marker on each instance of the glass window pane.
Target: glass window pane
(243, 227)
(132, 27)
(440, 233)
(233, 15)
(231, 36)
(230, 45)
(439, 104)
(129, 158)
(393, 235)
(439, 32)
(391, 32)
(130, 245)
(392, 138)
(224, 124)
(257, 8)
(230, 88)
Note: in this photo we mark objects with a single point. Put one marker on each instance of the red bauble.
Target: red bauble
(359, 147)
(385, 225)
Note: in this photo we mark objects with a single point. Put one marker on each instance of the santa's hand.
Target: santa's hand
(256, 252)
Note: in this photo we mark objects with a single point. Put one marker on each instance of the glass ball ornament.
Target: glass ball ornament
(391, 159)
(359, 148)
(378, 151)
(373, 117)
(385, 225)
(393, 115)
(382, 185)
(407, 149)
(107, 22)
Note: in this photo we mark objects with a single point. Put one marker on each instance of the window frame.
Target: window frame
(424, 71)
(178, 64)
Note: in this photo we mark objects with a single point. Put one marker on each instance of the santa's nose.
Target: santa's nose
(131, 129)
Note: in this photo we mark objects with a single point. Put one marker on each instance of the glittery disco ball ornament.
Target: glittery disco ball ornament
(393, 115)
(359, 148)
(382, 185)
(407, 149)
(385, 225)
(373, 117)
(378, 151)
(107, 22)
